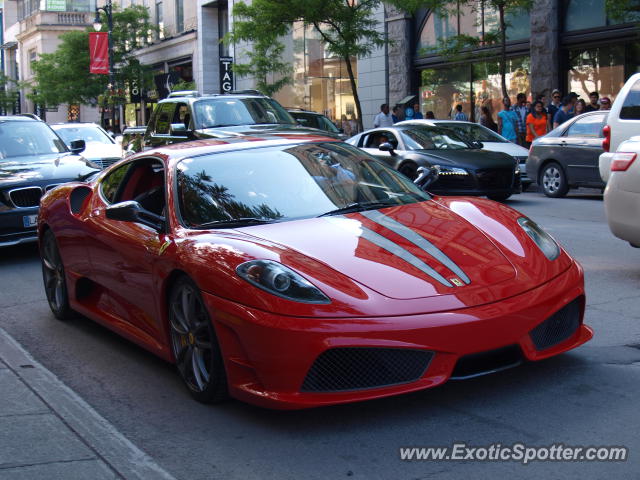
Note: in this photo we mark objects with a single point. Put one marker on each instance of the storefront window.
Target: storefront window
(585, 14)
(472, 86)
(473, 20)
(320, 81)
(600, 69)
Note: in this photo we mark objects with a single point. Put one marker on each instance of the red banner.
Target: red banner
(99, 52)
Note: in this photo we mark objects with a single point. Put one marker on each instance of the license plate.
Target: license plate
(30, 221)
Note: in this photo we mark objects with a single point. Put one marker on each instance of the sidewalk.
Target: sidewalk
(48, 432)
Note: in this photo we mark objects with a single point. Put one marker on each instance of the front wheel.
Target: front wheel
(194, 344)
(55, 283)
(499, 197)
(554, 181)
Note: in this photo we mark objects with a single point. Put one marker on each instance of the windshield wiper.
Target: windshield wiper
(358, 207)
(236, 222)
(221, 125)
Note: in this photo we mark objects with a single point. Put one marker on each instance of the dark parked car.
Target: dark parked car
(33, 160)
(567, 157)
(310, 119)
(195, 117)
(465, 169)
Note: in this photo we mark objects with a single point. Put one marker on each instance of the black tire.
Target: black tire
(499, 198)
(54, 279)
(194, 344)
(553, 180)
(409, 170)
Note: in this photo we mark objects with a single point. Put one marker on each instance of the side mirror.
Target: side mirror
(477, 144)
(386, 147)
(427, 176)
(178, 130)
(132, 211)
(77, 146)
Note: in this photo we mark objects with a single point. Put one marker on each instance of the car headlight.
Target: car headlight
(517, 170)
(541, 238)
(452, 171)
(281, 281)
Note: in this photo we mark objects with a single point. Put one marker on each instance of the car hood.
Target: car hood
(471, 158)
(97, 150)
(506, 147)
(412, 251)
(58, 166)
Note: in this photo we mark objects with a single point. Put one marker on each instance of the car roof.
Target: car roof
(74, 124)
(208, 96)
(19, 118)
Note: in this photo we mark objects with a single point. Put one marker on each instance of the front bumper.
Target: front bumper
(12, 226)
(268, 357)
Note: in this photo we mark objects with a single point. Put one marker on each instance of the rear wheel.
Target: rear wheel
(194, 344)
(55, 283)
(553, 181)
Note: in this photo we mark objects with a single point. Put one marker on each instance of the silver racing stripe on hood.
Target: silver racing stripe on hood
(400, 252)
(416, 239)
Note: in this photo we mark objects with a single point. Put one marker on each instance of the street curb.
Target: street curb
(110, 445)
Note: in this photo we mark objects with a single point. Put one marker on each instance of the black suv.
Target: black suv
(188, 116)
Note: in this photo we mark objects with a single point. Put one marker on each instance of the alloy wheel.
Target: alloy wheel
(55, 285)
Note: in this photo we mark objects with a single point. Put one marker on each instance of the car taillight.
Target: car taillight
(606, 142)
(621, 161)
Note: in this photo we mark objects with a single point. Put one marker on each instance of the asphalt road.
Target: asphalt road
(586, 397)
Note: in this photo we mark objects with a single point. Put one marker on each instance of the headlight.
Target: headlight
(279, 280)
(517, 171)
(452, 171)
(544, 241)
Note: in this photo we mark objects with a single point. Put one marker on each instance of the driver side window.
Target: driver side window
(142, 181)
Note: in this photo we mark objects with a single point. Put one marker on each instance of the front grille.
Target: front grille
(105, 162)
(483, 363)
(453, 182)
(26, 197)
(341, 369)
(491, 178)
(558, 327)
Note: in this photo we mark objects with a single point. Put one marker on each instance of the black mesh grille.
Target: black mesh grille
(26, 197)
(483, 363)
(558, 327)
(453, 182)
(358, 368)
(494, 178)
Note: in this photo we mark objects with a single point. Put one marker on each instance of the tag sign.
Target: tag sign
(226, 74)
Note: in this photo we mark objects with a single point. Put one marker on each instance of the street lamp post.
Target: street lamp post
(97, 26)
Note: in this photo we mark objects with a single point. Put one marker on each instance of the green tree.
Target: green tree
(458, 44)
(63, 76)
(347, 29)
(623, 10)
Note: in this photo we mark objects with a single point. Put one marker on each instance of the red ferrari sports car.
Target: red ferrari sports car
(298, 271)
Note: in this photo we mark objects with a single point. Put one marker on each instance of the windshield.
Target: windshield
(258, 185)
(88, 133)
(432, 138)
(473, 132)
(315, 121)
(228, 112)
(28, 138)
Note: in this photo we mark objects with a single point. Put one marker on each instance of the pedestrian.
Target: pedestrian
(537, 123)
(355, 128)
(521, 110)
(486, 119)
(554, 106)
(417, 114)
(593, 102)
(430, 115)
(345, 125)
(507, 121)
(605, 103)
(579, 108)
(563, 114)
(460, 115)
(383, 119)
(395, 114)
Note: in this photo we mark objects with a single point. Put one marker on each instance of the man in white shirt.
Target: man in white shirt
(384, 118)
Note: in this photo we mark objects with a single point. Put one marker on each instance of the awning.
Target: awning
(406, 99)
(8, 45)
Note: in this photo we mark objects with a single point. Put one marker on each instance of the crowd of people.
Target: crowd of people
(520, 123)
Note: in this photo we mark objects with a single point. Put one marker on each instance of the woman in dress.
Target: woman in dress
(486, 120)
(537, 124)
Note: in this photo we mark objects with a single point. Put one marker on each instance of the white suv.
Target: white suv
(623, 123)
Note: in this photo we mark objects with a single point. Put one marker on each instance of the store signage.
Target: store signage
(56, 5)
(226, 74)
